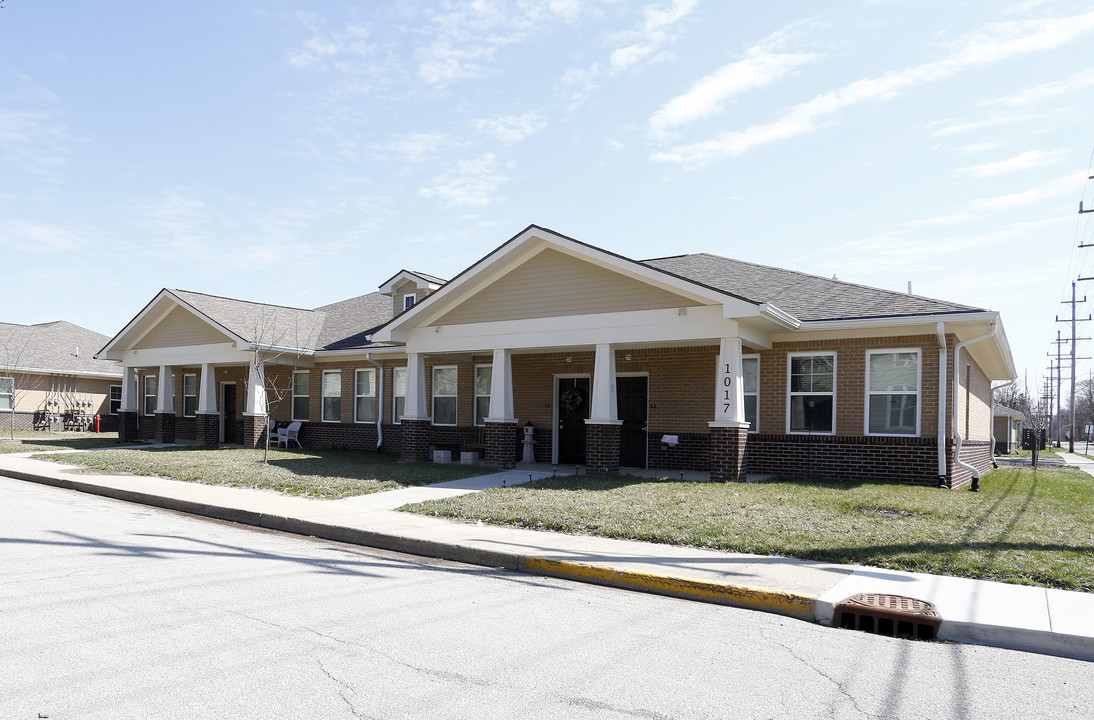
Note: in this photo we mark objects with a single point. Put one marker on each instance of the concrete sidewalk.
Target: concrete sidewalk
(1019, 617)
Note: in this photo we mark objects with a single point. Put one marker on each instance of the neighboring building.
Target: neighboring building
(1007, 429)
(686, 362)
(50, 379)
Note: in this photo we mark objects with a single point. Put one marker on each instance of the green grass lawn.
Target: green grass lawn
(1023, 527)
(36, 441)
(325, 474)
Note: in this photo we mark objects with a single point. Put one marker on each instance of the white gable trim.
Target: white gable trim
(151, 315)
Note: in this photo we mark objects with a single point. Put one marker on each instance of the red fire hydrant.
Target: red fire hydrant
(98, 420)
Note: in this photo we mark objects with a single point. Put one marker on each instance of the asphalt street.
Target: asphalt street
(114, 610)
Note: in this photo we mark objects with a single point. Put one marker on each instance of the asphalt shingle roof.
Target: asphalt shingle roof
(53, 346)
(806, 297)
(349, 322)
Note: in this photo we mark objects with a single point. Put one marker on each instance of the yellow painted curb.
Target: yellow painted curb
(781, 602)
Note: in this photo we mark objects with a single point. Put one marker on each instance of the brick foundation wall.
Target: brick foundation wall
(502, 441)
(186, 428)
(693, 452)
(975, 453)
(343, 435)
(127, 426)
(23, 421)
(727, 453)
(602, 447)
(415, 440)
(885, 459)
(254, 431)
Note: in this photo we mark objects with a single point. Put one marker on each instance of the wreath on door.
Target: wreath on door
(572, 399)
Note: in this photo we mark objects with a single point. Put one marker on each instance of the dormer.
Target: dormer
(406, 288)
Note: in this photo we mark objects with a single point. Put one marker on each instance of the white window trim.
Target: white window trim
(918, 352)
(408, 300)
(184, 395)
(433, 395)
(110, 400)
(835, 386)
(145, 395)
(294, 396)
(476, 396)
(375, 386)
(9, 395)
(323, 396)
(396, 418)
(755, 427)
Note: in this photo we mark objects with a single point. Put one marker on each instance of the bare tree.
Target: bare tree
(276, 344)
(15, 382)
(1034, 409)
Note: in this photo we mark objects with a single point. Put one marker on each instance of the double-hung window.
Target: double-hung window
(150, 394)
(332, 396)
(398, 395)
(483, 378)
(189, 395)
(444, 395)
(301, 394)
(7, 393)
(812, 393)
(115, 399)
(751, 387)
(364, 396)
(892, 390)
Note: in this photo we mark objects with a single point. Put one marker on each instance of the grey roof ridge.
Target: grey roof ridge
(887, 291)
(239, 300)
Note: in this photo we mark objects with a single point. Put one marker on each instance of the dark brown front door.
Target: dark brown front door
(572, 402)
(228, 413)
(631, 398)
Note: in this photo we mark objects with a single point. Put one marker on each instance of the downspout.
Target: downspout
(940, 330)
(956, 380)
(379, 402)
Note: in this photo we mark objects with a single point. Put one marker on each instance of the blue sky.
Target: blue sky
(303, 153)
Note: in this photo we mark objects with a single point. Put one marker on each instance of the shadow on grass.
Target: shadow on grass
(58, 443)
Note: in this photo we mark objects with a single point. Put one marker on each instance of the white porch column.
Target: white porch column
(129, 390)
(729, 399)
(604, 409)
(501, 389)
(165, 391)
(255, 404)
(207, 390)
(416, 407)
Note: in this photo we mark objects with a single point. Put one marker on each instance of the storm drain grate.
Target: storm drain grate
(892, 615)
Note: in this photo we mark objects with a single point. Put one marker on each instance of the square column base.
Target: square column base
(165, 427)
(501, 444)
(602, 447)
(727, 452)
(127, 426)
(415, 440)
(254, 431)
(208, 429)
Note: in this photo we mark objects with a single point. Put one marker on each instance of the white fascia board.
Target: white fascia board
(636, 327)
(55, 371)
(353, 353)
(389, 287)
(215, 354)
(150, 316)
(529, 244)
(257, 347)
(881, 322)
(779, 317)
(755, 337)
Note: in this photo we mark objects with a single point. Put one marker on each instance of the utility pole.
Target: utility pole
(1073, 302)
(1059, 387)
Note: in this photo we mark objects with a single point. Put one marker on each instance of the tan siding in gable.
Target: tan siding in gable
(554, 284)
(181, 328)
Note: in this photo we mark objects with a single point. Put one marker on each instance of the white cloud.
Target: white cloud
(955, 127)
(33, 140)
(941, 221)
(706, 97)
(1024, 161)
(413, 147)
(980, 147)
(1048, 91)
(1057, 187)
(512, 128)
(25, 236)
(470, 183)
(656, 31)
(345, 47)
(994, 43)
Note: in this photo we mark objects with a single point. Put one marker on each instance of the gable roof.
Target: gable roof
(58, 346)
(349, 324)
(806, 297)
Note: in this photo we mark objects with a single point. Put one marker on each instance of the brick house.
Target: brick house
(50, 379)
(686, 362)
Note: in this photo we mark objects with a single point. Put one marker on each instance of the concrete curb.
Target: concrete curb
(781, 602)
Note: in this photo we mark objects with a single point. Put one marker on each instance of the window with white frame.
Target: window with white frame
(408, 301)
(444, 395)
(332, 396)
(7, 393)
(189, 395)
(364, 396)
(483, 378)
(150, 394)
(812, 393)
(115, 399)
(751, 386)
(398, 395)
(892, 390)
(301, 394)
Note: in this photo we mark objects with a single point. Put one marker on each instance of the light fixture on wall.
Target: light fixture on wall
(682, 311)
(627, 357)
(569, 359)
